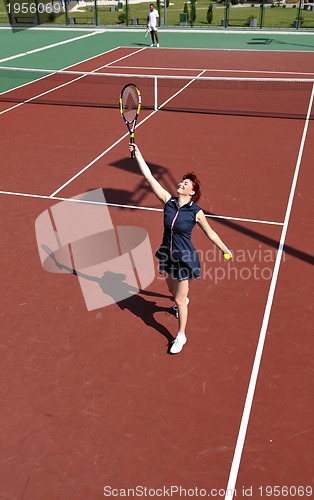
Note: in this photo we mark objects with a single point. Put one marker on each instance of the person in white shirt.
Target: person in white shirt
(152, 24)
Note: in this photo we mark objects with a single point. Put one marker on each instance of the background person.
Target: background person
(152, 24)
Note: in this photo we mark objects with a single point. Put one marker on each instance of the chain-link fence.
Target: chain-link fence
(201, 13)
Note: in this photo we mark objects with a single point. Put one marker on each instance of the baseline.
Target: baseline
(46, 47)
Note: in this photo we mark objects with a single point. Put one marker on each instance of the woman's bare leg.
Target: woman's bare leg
(181, 302)
(172, 284)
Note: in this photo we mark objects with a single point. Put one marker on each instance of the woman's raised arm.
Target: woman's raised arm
(161, 193)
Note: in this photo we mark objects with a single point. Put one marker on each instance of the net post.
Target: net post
(262, 7)
(127, 12)
(299, 16)
(65, 3)
(155, 94)
(193, 13)
(96, 13)
(227, 14)
(159, 7)
(37, 13)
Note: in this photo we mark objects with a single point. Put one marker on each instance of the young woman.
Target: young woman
(178, 259)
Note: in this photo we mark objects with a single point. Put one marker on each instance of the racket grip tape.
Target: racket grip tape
(132, 142)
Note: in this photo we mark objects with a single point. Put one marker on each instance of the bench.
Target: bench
(240, 22)
(111, 8)
(23, 19)
(279, 3)
(136, 21)
(81, 20)
(302, 22)
(308, 6)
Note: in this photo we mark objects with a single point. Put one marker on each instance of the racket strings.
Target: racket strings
(130, 100)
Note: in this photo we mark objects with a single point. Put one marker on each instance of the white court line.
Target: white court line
(259, 351)
(131, 207)
(46, 47)
(97, 158)
(170, 30)
(156, 68)
(52, 71)
(63, 84)
(181, 90)
(117, 142)
(225, 217)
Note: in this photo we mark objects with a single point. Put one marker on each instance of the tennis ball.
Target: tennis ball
(227, 256)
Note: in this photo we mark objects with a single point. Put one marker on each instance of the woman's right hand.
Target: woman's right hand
(133, 147)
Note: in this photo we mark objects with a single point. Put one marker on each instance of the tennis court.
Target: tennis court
(93, 404)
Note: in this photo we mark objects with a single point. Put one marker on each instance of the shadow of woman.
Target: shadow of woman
(126, 296)
(129, 297)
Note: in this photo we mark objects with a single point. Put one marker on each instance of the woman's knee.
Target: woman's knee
(180, 301)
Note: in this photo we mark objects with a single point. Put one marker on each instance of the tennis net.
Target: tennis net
(269, 97)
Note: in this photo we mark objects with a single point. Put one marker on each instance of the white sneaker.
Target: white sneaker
(152, 45)
(157, 45)
(178, 343)
(175, 308)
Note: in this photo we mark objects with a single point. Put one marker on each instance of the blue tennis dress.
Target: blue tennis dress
(177, 255)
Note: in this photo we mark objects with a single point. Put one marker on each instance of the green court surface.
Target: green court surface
(14, 42)
(57, 49)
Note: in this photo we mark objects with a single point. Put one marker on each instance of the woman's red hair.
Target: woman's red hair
(196, 185)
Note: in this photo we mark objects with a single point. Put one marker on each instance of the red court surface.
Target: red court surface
(93, 405)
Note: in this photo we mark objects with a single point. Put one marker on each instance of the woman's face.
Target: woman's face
(185, 187)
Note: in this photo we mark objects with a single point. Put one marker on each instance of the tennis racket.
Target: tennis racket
(130, 106)
(146, 33)
(51, 255)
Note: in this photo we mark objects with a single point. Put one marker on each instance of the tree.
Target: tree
(193, 12)
(186, 11)
(209, 15)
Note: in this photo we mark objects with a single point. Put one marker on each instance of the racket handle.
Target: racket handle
(132, 142)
